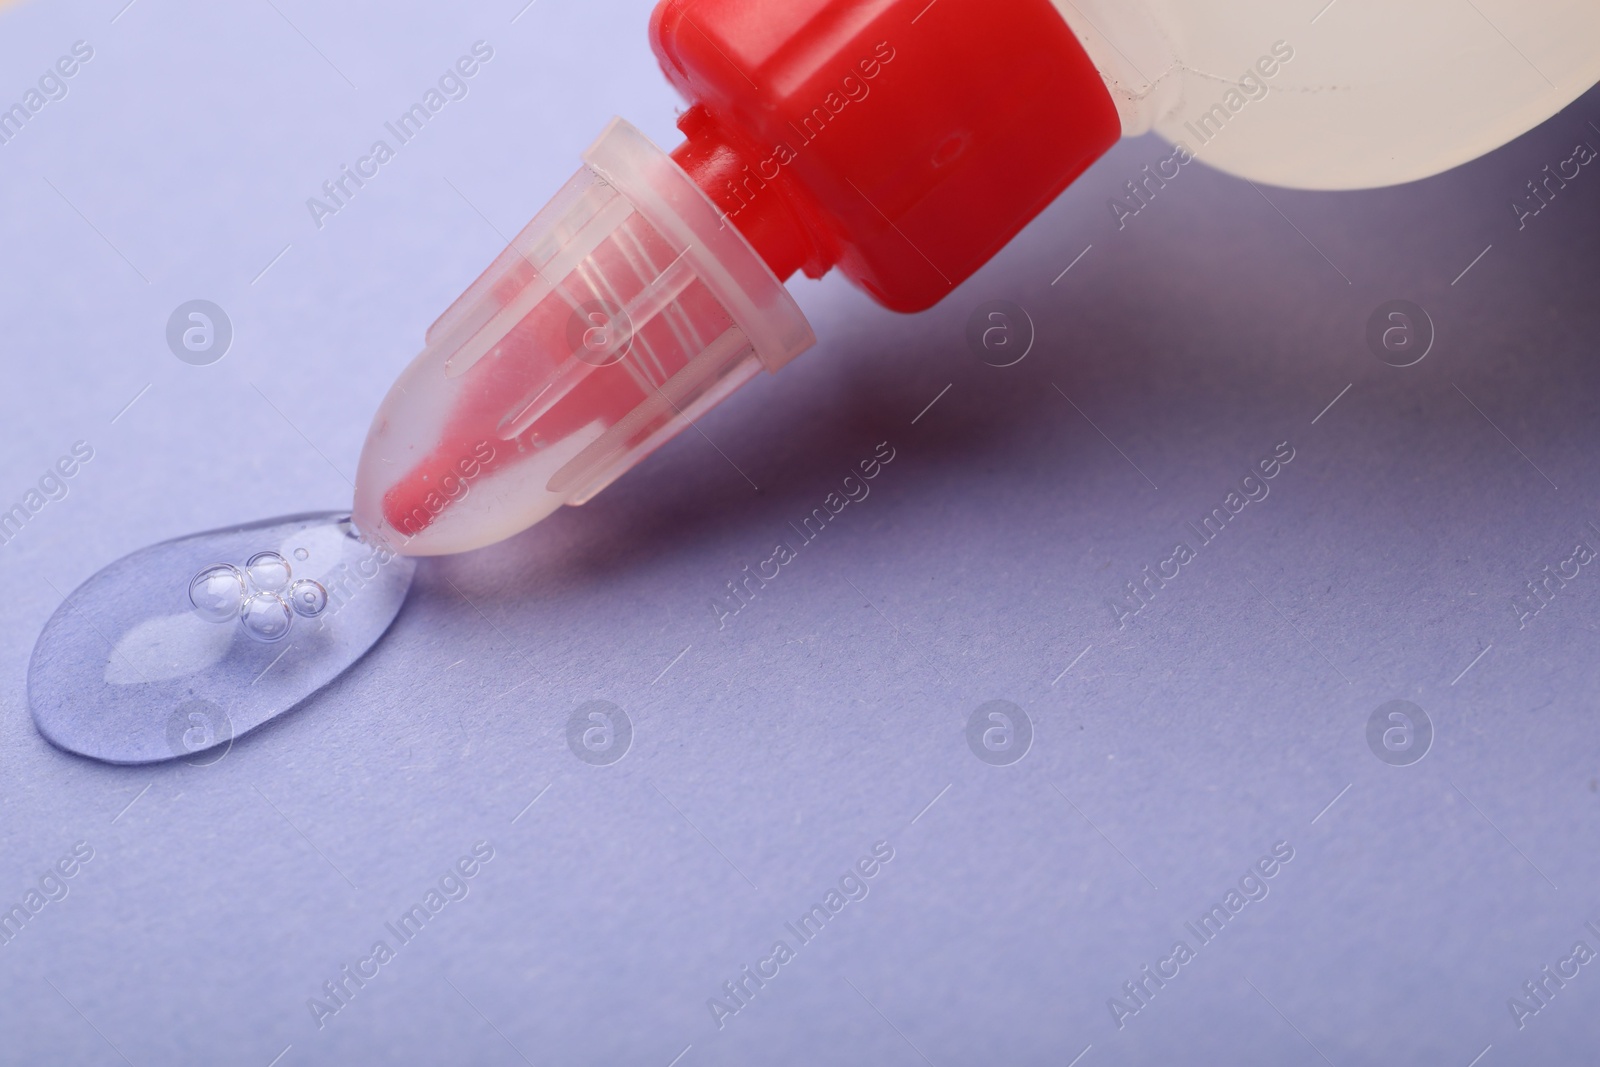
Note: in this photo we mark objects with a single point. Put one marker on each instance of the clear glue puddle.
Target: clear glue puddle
(183, 646)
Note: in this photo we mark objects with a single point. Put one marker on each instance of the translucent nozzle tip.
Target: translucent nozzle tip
(623, 310)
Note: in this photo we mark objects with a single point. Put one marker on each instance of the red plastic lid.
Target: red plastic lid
(902, 141)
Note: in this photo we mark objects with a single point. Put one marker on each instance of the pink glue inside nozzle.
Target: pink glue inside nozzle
(622, 310)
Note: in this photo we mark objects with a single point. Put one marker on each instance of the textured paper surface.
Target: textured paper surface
(831, 712)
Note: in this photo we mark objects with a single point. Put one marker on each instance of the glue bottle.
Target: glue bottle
(903, 143)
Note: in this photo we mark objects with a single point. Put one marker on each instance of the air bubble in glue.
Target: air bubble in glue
(266, 617)
(308, 598)
(217, 593)
(268, 572)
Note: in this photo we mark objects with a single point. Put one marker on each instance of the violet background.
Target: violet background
(830, 712)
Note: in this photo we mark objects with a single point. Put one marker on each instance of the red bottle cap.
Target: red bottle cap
(903, 142)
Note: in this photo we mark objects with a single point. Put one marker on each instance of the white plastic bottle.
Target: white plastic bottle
(1361, 92)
